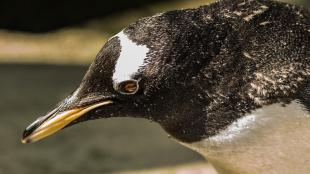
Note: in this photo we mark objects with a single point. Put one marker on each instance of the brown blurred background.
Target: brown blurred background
(45, 48)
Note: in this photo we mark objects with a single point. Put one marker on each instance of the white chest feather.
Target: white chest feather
(271, 140)
(131, 58)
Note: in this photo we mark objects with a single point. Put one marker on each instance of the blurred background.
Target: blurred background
(45, 48)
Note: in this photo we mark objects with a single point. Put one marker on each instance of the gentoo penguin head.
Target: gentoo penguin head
(146, 70)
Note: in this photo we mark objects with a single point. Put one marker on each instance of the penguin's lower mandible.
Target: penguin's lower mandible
(229, 80)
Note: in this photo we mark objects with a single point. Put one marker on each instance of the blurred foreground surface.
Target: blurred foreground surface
(101, 146)
(195, 168)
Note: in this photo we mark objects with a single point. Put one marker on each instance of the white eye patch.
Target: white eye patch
(131, 58)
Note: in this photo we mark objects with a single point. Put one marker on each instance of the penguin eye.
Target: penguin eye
(128, 87)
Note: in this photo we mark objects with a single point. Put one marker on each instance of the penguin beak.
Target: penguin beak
(55, 121)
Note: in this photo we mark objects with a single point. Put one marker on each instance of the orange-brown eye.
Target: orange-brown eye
(128, 87)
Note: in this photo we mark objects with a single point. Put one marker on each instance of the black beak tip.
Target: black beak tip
(26, 133)
(24, 139)
(29, 130)
(33, 126)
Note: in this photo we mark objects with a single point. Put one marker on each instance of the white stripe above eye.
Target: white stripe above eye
(131, 58)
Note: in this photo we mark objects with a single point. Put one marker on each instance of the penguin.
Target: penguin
(229, 80)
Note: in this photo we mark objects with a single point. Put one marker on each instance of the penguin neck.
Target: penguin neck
(185, 130)
(186, 121)
(272, 139)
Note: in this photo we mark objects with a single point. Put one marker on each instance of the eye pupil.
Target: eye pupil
(128, 87)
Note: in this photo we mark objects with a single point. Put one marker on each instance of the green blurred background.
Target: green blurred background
(45, 48)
